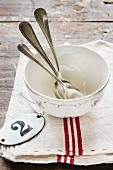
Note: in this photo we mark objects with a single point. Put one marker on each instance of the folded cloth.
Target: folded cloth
(84, 140)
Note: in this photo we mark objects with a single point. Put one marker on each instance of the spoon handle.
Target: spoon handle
(42, 19)
(28, 32)
(27, 52)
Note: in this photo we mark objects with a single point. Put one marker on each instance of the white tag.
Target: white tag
(21, 129)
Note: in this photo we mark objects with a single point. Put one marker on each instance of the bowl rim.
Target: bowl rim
(76, 99)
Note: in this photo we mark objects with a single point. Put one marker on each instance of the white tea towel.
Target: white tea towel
(82, 140)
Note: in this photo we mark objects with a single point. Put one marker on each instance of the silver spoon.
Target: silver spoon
(27, 52)
(42, 19)
(28, 32)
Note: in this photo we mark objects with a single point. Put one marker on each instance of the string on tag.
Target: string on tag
(23, 95)
(32, 104)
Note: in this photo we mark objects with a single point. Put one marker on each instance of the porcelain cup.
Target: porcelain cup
(84, 68)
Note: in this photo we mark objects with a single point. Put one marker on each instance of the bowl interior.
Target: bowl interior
(84, 68)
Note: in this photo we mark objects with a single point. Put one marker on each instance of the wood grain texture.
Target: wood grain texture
(58, 10)
(75, 22)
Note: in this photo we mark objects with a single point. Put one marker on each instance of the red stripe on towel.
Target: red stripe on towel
(80, 149)
(71, 159)
(65, 159)
(66, 133)
(58, 158)
(73, 136)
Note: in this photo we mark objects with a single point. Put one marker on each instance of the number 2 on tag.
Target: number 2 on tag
(21, 129)
(21, 124)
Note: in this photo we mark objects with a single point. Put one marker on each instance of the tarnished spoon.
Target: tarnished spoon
(66, 92)
(42, 19)
(28, 32)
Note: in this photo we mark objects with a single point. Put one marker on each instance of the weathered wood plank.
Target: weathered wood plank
(58, 10)
(73, 32)
(7, 165)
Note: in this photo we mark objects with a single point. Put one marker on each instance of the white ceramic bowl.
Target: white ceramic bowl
(84, 68)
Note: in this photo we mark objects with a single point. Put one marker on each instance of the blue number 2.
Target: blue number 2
(21, 124)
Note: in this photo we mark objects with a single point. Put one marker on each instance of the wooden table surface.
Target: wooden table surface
(76, 22)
